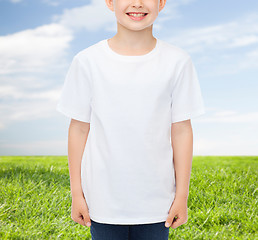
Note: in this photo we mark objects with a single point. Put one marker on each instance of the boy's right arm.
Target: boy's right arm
(77, 138)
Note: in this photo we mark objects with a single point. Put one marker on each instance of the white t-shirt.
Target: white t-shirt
(127, 171)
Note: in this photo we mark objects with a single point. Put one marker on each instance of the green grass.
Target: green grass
(35, 199)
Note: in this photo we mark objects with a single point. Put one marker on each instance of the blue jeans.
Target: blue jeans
(151, 231)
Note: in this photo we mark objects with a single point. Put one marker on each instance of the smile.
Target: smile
(137, 16)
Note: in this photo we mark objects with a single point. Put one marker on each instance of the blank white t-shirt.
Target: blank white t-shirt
(127, 171)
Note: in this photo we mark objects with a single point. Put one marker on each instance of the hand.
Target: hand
(80, 211)
(178, 209)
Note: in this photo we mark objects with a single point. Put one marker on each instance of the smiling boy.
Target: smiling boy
(130, 143)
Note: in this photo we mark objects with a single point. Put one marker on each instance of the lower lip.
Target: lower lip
(136, 18)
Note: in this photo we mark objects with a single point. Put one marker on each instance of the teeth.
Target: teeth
(136, 14)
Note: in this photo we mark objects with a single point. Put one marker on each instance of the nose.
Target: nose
(137, 3)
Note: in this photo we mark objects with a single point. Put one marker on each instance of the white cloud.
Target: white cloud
(29, 60)
(92, 17)
(226, 144)
(230, 117)
(171, 9)
(35, 147)
(244, 41)
(15, 1)
(29, 99)
(222, 49)
(48, 2)
(249, 60)
(16, 93)
(53, 3)
(226, 132)
(239, 33)
(36, 105)
(2, 126)
(34, 50)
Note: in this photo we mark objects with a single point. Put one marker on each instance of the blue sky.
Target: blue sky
(39, 38)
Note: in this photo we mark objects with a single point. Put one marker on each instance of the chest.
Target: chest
(120, 80)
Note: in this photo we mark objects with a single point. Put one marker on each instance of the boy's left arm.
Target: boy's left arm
(182, 144)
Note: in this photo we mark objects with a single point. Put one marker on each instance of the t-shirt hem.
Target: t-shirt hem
(124, 221)
(70, 114)
(187, 116)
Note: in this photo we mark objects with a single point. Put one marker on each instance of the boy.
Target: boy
(130, 142)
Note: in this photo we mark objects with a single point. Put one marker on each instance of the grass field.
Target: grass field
(35, 199)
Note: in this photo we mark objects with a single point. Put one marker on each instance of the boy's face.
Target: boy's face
(122, 8)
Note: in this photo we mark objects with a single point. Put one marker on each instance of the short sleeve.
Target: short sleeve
(186, 96)
(75, 98)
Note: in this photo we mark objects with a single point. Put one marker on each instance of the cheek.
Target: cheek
(121, 10)
(154, 12)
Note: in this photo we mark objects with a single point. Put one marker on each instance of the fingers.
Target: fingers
(170, 220)
(83, 219)
(79, 220)
(175, 223)
(86, 218)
